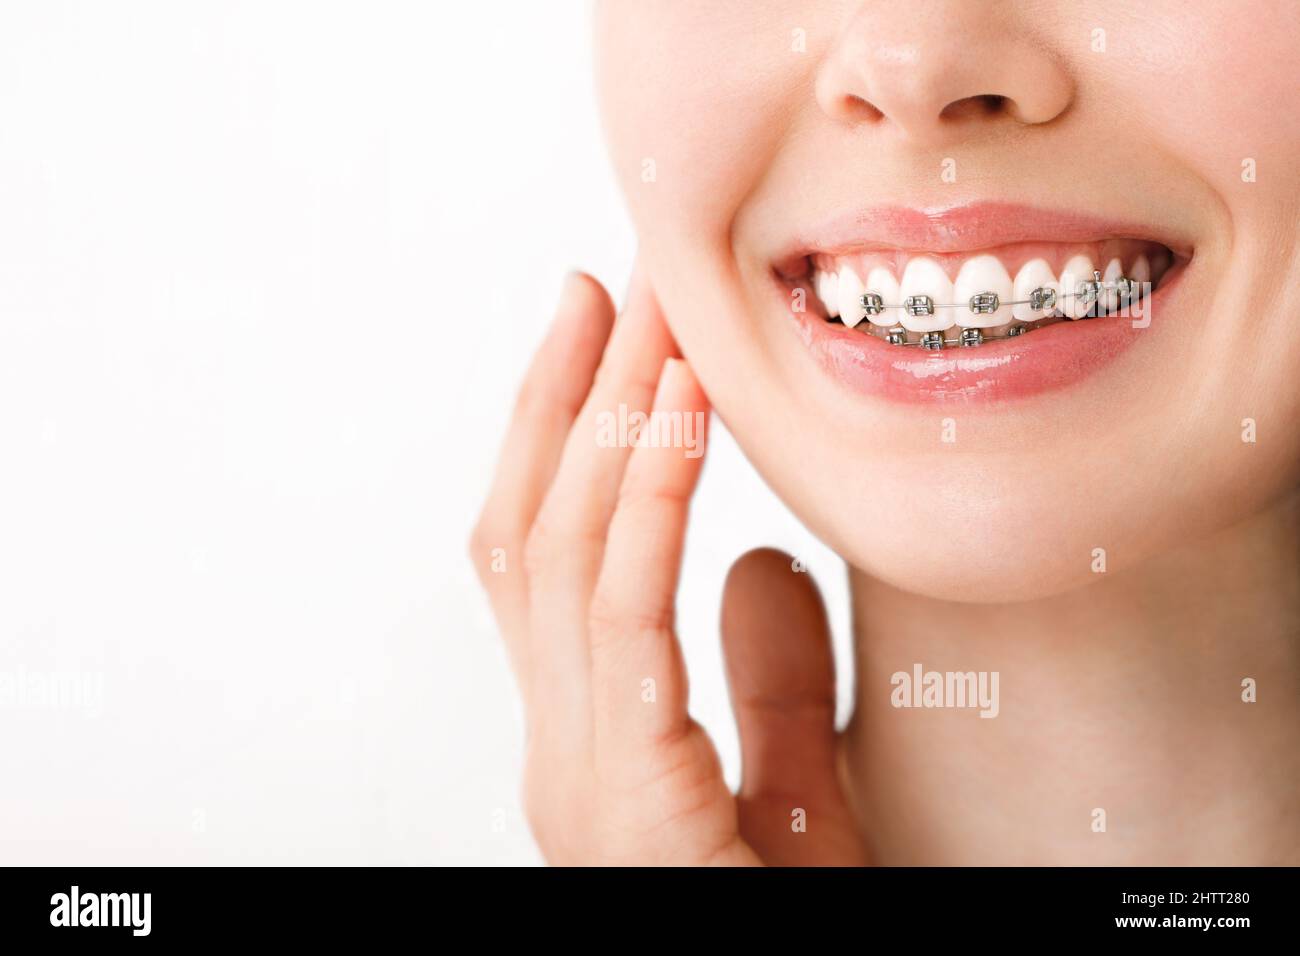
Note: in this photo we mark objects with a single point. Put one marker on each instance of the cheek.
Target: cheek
(695, 98)
(1224, 76)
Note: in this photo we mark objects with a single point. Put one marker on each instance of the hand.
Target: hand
(617, 772)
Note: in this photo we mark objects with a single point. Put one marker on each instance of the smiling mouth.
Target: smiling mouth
(1010, 279)
(943, 300)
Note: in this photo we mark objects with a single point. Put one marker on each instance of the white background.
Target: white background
(269, 273)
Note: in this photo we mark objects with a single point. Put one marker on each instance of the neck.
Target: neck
(1120, 704)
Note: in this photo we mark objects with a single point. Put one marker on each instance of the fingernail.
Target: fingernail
(571, 280)
(568, 291)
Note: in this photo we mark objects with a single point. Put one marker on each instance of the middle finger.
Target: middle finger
(567, 543)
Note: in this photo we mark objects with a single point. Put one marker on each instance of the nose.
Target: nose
(930, 71)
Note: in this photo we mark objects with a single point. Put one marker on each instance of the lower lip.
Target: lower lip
(1005, 370)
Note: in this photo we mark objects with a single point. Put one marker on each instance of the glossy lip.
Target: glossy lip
(1005, 370)
(969, 228)
(1046, 359)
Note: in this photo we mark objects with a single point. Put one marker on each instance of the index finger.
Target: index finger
(632, 609)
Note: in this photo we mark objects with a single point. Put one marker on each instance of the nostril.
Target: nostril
(985, 104)
(857, 109)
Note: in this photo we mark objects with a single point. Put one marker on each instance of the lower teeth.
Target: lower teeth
(1091, 292)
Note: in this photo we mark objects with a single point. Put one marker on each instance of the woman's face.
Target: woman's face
(782, 158)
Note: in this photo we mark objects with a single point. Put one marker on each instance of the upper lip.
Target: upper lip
(963, 228)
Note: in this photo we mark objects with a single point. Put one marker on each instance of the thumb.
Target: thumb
(781, 671)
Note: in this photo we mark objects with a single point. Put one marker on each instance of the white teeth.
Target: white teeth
(849, 296)
(882, 282)
(1078, 269)
(1141, 271)
(925, 277)
(981, 274)
(978, 280)
(1034, 274)
(827, 286)
(1110, 298)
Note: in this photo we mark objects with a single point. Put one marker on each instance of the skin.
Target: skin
(1119, 690)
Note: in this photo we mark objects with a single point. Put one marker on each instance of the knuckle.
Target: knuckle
(484, 541)
(641, 497)
(609, 618)
(479, 537)
(478, 547)
(559, 538)
(603, 617)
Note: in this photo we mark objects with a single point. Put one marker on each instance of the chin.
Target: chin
(966, 548)
(980, 526)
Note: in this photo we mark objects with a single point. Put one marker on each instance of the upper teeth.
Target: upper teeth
(983, 296)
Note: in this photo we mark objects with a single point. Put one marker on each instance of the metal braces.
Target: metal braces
(986, 303)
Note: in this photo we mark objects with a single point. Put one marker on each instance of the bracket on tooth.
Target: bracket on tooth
(919, 305)
(1089, 291)
(984, 303)
(872, 303)
(1041, 299)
